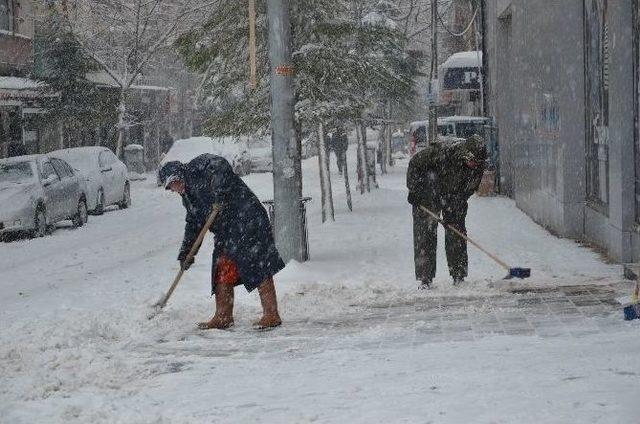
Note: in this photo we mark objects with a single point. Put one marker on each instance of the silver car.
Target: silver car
(105, 176)
(38, 191)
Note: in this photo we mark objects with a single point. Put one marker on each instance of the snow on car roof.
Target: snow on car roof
(84, 149)
(82, 158)
(187, 149)
(133, 147)
(472, 59)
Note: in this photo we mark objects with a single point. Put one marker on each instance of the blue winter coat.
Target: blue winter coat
(242, 229)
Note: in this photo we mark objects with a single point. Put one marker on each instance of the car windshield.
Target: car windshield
(17, 173)
(467, 129)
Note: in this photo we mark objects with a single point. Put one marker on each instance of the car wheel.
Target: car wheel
(40, 224)
(82, 216)
(99, 210)
(126, 197)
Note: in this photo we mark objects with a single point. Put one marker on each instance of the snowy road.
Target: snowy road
(358, 342)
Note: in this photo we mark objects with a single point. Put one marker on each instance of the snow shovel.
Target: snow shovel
(512, 271)
(192, 252)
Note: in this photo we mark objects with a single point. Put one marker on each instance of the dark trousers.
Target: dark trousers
(341, 157)
(425, 239)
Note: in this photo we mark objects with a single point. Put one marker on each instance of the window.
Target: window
(16, 173)
(103, 159)
(5, 15)
(60, 169)
(112, 158)
(596, 42)
(70, 170)
(47, 171)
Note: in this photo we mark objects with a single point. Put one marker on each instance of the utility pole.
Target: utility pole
(287, 179)
(433, 75)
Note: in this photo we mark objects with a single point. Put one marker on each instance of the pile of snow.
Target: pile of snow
(16, 83)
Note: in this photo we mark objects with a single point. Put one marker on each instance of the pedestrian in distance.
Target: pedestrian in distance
(340, 145)
(442, 178)
(244, 251)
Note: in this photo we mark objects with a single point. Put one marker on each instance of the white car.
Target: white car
(261, 154)
(38, 191)
(105, 176)
(229, 148)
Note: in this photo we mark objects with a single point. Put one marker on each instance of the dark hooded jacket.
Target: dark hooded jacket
(439, 172)
(242, 229)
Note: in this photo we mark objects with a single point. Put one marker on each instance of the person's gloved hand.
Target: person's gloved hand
(186, 264)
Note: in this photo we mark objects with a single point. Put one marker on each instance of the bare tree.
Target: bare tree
(125, 36)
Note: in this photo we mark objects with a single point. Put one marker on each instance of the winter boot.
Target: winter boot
(270, 316)
(223, 317)
(425, 284)
(457, 281)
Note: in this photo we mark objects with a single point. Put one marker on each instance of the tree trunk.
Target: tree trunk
(382, 137)
(361, 159)
(345, 173)
(122, 109)
(388, 134)
(325, 177)
(365, 156)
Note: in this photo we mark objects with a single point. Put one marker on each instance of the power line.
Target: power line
(455, 34)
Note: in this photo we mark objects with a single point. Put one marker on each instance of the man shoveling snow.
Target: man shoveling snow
(244, 252)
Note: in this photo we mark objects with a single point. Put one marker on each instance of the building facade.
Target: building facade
(562, 82)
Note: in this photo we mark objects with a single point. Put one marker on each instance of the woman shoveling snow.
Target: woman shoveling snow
(244, 252)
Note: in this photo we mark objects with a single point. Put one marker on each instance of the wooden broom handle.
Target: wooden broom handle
(192, 252)
(464, 236)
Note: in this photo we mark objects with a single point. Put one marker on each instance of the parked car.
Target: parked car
(38, 191)
(462, 126)
(450, 128)
(105, 176)
(231, 149)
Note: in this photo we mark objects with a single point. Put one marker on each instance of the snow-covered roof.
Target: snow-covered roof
(472, 59)
(14, 34)
(457, 118)
(105, 79)
(133, 147)
(102, 78)
(17, 83)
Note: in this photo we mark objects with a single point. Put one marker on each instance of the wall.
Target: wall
(536, 91)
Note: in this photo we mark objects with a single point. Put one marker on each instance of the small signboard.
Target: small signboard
(284, 70)
(432, 93)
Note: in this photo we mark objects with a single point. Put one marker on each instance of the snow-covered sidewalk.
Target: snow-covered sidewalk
(358, 342)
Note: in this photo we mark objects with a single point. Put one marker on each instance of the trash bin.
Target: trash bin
(134, 158)
(305, 230)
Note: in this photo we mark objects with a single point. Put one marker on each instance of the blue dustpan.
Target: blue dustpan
(632, 312)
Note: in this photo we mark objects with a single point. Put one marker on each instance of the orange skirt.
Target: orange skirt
(226, 271)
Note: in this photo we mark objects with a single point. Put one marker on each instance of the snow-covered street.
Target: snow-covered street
(359, 343)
